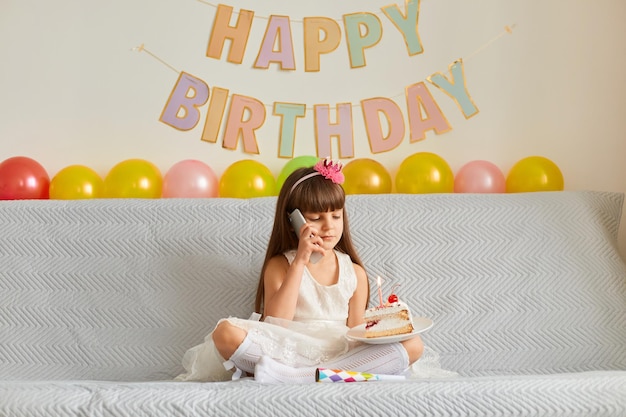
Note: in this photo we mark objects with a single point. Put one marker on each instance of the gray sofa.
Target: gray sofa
(99, 300)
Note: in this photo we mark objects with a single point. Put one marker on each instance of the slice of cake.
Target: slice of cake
(388, 320)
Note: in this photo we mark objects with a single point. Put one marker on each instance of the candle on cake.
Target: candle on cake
(380, 291)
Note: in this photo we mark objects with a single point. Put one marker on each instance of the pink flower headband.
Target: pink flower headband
(328, 169)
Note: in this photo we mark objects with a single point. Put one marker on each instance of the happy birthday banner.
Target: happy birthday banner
(383, 118)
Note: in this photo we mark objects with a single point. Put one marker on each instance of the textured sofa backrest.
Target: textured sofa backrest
(120, 289)
(515, 283)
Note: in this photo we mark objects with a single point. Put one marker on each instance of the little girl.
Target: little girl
(306, 307)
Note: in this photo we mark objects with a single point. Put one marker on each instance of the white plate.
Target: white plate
(420, 324)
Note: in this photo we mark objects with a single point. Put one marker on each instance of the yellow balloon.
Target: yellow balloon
(423, 173)
(366, 176)
(534, 173)
(247, 179)
(133, 178)
(76, 182)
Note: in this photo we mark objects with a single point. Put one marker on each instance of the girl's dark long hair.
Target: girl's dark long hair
(315, 194)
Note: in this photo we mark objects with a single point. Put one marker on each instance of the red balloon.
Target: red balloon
(23, 178)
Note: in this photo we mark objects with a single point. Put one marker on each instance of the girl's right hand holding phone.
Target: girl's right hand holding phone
(309, 244)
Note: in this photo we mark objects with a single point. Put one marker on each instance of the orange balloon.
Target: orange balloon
(366, 176)
(76, 182)
(534, 173)
(423, 173)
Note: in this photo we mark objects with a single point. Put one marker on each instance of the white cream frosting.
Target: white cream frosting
(393, 308)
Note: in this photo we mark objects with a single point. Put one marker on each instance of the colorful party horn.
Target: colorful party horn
(338, 375)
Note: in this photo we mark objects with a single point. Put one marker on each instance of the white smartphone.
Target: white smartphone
(297, 221)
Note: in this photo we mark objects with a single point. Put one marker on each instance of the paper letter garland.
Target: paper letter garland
(278, 29)
(382, 117)
(222, 30)
(372, 110)
(407, 24)
(456, 88)
(357, 43)
(424, 113)
(321, 36)
(181, 111)
(289, 113)
(237, 126)
(341, 129)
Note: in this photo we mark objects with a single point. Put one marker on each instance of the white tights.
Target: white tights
(382, 359)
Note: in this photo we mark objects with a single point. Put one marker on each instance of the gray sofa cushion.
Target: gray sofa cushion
(120, 289)
(597, 394)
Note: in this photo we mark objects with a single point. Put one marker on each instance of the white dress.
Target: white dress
(316, 334)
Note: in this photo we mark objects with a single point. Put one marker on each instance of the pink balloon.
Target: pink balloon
(190, 179)
(479, 177)
(23, 178)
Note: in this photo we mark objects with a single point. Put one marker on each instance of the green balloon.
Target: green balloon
(292, 165)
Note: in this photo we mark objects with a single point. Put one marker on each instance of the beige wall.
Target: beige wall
(73, 92)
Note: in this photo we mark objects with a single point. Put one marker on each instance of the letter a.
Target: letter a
(418, 98)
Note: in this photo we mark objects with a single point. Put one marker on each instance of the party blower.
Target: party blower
(338, 375)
